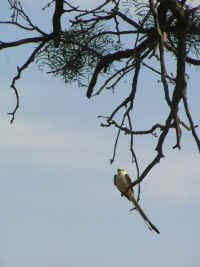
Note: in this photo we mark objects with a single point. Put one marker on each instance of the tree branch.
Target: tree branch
(57, 21)
(17, 77)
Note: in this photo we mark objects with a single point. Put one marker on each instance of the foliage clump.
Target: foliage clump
(81, 48)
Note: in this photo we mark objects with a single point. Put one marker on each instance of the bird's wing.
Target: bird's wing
(130, 190)
(115, 176)
(128, 179)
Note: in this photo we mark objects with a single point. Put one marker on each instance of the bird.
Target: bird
(123, 183)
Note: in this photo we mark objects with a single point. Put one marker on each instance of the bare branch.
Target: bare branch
(19, 12)
(122, 71)
(155, 161)
(108, 59)
(129, 131)
(56, 21)
(25, 41)
(17, 77)
(116, 142)
(192, 126)
(18, 25)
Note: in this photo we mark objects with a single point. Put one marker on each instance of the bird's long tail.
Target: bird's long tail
(139, 209)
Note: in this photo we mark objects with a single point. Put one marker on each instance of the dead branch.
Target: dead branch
(57, 21)
(17, 77)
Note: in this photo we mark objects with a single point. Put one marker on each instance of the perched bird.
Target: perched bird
(123, 182)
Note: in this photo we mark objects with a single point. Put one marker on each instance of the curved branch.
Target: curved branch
(155, 161)
(104, 63)
(17, 77)
(130, 21)
(192, 126)
(18, 25)
(148, 43)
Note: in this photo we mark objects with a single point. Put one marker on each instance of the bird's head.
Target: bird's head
(121, 171)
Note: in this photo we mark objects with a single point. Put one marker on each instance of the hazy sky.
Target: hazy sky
(57, 200)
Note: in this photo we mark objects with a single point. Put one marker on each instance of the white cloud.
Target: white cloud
(33, 134)
(176, 178)
(47, 144)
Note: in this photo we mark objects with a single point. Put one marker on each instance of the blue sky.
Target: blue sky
(57, 200)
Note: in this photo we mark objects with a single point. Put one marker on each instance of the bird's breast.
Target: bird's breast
(121, 183)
